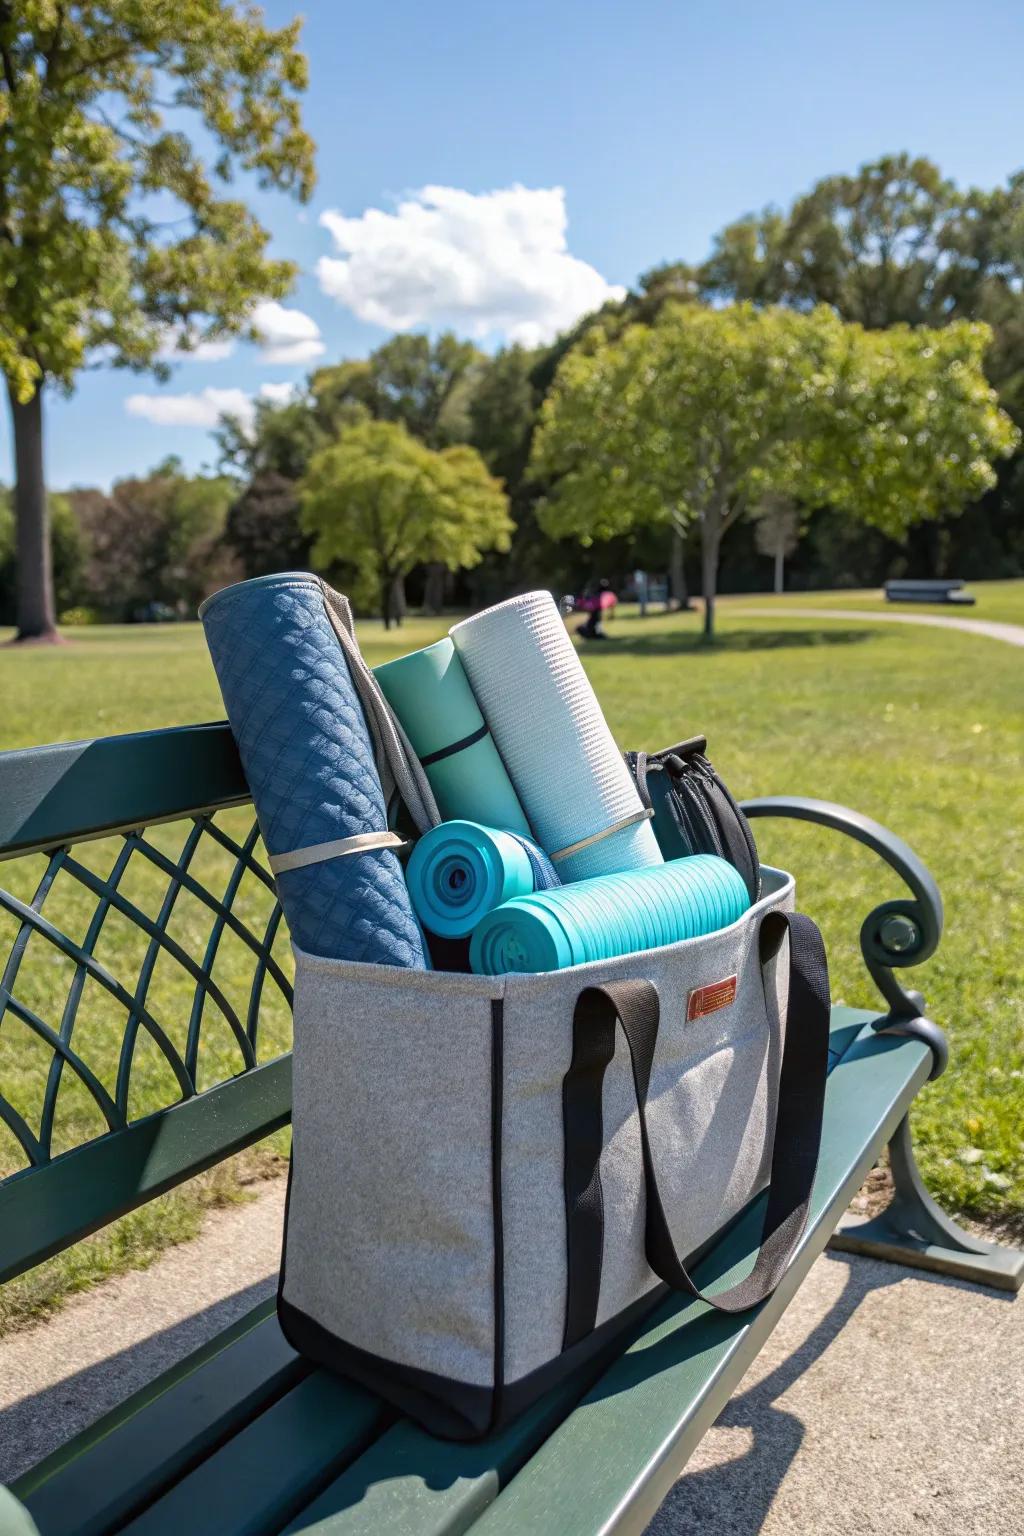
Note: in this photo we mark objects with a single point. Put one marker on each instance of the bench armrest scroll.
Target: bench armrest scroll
(896, 933)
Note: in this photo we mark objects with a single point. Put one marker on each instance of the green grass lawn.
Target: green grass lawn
(919, 728)
(1002, 601)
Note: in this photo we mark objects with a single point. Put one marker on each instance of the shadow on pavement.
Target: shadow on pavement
(37, 1424)
(734, 1498)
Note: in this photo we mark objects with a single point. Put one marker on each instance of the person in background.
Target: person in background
(598, 599)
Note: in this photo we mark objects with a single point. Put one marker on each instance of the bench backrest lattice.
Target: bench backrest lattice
(145, 979)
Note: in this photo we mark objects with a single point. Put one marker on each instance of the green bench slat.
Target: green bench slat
(608, 1467)
(79, 789)
(121, 1463)
(408, 1482)
(255, 1483)
(42, 1210)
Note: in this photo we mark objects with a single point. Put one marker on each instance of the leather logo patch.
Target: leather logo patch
(704, 1000)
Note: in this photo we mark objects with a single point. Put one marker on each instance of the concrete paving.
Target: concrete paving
(59, 1376)
(885, 1402)
(1012, 634)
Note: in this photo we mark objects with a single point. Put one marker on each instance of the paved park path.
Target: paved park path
(885, 1402)
(1013, 634)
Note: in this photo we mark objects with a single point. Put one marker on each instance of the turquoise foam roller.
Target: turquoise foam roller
(609, 915)
(460, 871)
(430, 694)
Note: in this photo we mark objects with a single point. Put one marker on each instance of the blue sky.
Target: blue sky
(660, 122)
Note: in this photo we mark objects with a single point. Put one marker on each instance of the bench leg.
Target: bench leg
(914, 1230)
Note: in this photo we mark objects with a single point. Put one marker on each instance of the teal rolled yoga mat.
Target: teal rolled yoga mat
(460, 871)
(430, 694)
(609, 915)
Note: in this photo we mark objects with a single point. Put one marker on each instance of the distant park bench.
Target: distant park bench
(244, 1436)
(927, 592)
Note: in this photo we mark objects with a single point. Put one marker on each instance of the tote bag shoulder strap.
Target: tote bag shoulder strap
(635, 1006)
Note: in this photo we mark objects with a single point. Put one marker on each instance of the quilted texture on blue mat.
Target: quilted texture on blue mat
(308, 757)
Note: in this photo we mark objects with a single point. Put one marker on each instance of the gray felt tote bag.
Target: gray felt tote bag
(494, 1176)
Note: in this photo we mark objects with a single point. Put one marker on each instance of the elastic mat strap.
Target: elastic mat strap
(635, 1005)
(456, 746)
(644, 814)
(337, 848)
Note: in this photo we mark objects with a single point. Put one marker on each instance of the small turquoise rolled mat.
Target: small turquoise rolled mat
(609, 915)
(460, 871)
(430, 694)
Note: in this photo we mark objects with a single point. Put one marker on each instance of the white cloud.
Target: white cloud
(493, 262)
(288, 335)
(201, 409)
(205, 352)
(205, 407)
(278, 394)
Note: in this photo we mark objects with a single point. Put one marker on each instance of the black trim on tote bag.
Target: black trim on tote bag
(636, 1006)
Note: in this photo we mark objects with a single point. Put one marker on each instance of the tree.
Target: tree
(503, 412)
(280, 440)
(156, 539)
(115, 238)
(703, 414)
(898, 242)
(380, 502)
(263, 527)
(425, 385)
(777, 532)
(871, 245)
(895, 243)
(70, 553)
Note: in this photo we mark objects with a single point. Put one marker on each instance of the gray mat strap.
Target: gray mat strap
(316, 853)
(644, 814)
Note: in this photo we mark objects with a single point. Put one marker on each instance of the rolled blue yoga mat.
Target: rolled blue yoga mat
(609, 915)
(460, 871)
(308, 758)
(430, 694)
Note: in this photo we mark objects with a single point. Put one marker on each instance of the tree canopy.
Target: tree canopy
(424, 384)
(119, 242)
(703, 414)
(379, 502)
(894, 243)
(156, 539)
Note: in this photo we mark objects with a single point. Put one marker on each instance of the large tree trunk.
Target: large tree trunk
(392, 600)
(680, 598)
(36, 616)
(433, 587)
(710, 544)
(398, 604)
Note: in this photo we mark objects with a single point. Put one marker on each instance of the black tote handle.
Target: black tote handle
(635, 1005)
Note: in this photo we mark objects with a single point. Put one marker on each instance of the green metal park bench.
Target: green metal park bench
(146, 839)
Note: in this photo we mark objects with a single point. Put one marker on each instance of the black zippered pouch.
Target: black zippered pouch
(694, 811)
